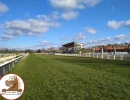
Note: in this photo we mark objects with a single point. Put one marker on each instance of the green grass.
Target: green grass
(49, 77)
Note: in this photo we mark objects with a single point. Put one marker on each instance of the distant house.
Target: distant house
(72, 47)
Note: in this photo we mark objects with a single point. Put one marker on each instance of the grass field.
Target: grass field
(49, 77)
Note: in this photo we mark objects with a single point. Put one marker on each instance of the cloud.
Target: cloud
(69, 7)
(29, 27)
(107, 40)
(51, 17)
(65, 38)
(44, 44)
(122, 37)
(3, 47)
(39, 45)
(68, 15)
(90, 30)
(73, 4)
(99, 41)
(27, 14)
(6, 37)
(1, 25)
(26, 27)
(19, 48)
(113, 8)
(114, 24)
(91, 3)
(80, 36)
(119, 37)
(3, 8)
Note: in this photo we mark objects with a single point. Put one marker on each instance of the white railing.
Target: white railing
(7, 66)
(99, 55)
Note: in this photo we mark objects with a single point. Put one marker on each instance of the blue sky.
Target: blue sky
(50, 23)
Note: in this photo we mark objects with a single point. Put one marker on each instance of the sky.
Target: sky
(33, 24)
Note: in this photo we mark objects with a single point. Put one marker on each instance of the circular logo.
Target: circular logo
(11, 86)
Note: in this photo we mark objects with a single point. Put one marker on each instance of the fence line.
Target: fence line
(99, 55)
(7, 66)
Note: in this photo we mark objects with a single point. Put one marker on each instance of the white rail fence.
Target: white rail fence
(102, 56)
(7, 66)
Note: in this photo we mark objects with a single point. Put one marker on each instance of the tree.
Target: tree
(114, 48)
(6, 51)
(29, 51)
(51, 49)
(102, 48)
(128, 49)
(38, 51)
(93, 49)
(43, 50)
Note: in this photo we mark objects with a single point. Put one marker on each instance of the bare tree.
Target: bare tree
(51, 49)
(128, 47)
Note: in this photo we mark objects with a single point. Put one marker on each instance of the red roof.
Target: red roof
(111, 48)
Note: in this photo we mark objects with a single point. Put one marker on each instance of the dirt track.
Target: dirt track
(6, 58)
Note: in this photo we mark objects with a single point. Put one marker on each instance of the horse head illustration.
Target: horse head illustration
(13, 84)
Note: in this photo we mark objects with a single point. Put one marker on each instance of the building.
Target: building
(72, 47)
